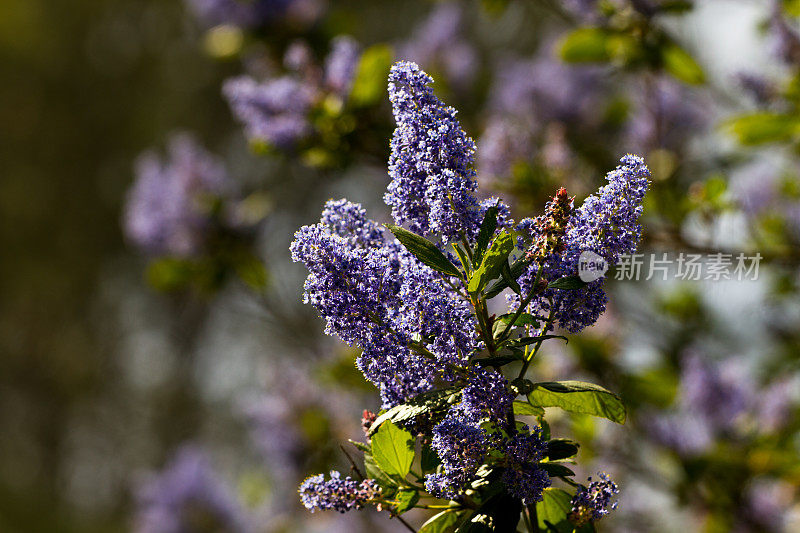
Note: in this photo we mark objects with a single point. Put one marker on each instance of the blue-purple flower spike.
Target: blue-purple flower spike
(431, 162)
(338, 493)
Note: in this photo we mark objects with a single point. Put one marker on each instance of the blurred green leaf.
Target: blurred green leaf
(579, 397)
(763, 127)
(681, 65)
(252, 271)
(586, 45)
(370, 80)
(170, 273)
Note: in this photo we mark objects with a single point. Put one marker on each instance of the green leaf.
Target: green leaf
(170, 274)
(554, 509)
(424, 250)
(681, 65)
(509, 279)
(525, 341)
(444, 522)
(556, 470)
(763, 127)
(675, 7)
(586, 45)
(569, 283)
(406, 499)
(373, 471)
(579, 397)
(431, 404)
(252, 271)
(526, 409)
(393, 449)
(429, 459)
(485, 233)
(498, 361)
(360, 445)
(492, 262)
(517, 268)
(524, 319)
(370, 79)
(561, 449)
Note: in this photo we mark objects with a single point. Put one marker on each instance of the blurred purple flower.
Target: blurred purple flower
(253, 13)
(341, 63)
(438, 45)
(275, 111)
(242, 13)
(547, 89)
(164, 212)
(666, 115)
(188, 496)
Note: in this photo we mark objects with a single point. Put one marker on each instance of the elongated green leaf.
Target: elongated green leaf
(492, 262)
(424, 250)
(579, 397)
(525, 341)
(524, 319)
(444, 522)
(556, 470)
(406, 499)
(360, 445)
(393, 449)
(517, 268)
(485, 233)
(681, 65)
(526, 409)
(431, 404)
(764, 127)
(586, 45)
(561, 449)
(569, 283)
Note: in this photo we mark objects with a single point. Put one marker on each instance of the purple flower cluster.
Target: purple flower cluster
(431, 163)
(607, 225)
(523, 477)
(188, 496)
(376, 295)
(593, 503)
(462, 448)
(277, 111)
(274, 112)
(337, 493)
(168, 209)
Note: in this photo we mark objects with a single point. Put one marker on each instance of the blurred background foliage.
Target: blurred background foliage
(112, 360)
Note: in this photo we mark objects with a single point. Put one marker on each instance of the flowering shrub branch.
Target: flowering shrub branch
(452, 434)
